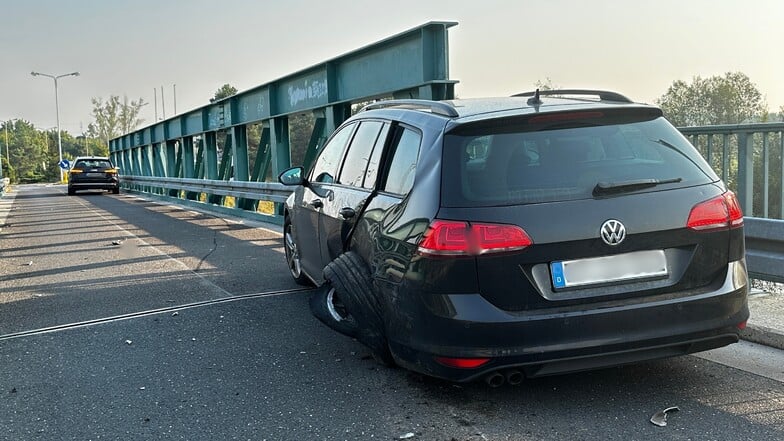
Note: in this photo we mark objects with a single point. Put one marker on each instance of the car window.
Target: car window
(505, 166)
(400, 177)
(93, 163)
(358, 155)
(326, 165)
(375, 159)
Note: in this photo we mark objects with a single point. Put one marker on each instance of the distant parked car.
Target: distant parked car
(93, 173)
(504, 238)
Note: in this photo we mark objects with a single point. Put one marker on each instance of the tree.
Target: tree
(224, 91)
(547, 84)
(728, 99)
(114, 117)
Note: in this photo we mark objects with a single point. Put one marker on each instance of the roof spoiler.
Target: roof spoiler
(603, 95)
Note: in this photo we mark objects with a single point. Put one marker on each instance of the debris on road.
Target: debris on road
(660, 418)
(118, 242)
(406, 436)
(128, 341)
(30, 263)
(175, 314)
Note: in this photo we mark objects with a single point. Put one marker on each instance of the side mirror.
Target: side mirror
(292, 176)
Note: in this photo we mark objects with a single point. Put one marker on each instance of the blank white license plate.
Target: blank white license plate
(94, 175)
(629, 266)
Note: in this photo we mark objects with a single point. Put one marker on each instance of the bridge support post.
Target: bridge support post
(746, 172)
(239, 146)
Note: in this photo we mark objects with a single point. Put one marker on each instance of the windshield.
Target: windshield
(496, 165)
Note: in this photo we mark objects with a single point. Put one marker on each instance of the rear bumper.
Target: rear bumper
(554, 341)
(94, 185)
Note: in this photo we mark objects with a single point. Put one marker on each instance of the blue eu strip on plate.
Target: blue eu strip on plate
(556, 269)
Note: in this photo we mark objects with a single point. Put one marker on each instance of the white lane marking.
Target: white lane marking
(749, 357)
(6, 203)
(150, 312)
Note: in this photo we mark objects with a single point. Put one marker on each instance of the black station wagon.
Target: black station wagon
(505, 238)
(93, 173)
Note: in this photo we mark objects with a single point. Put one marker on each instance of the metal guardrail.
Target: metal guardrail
(765, 248)
(263, 191)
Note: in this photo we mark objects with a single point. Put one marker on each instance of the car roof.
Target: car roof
(461, 111)
(90, 158)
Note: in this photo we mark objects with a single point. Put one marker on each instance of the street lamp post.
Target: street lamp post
(57, 110)
(7, 148)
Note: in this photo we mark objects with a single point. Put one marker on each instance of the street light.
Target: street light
(57, 109)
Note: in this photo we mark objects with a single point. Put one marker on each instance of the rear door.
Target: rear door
(350, 192)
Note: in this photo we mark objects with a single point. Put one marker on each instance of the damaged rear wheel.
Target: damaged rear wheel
(327, 306)
(351, 279)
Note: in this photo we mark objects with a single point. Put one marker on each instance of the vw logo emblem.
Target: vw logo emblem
(613, 232)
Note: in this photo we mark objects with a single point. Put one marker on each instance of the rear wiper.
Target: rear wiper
(605, 188)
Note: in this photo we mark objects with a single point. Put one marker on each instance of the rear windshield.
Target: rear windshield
(520, 163)
(93, 163)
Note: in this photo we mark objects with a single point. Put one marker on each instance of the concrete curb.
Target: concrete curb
(764, 336)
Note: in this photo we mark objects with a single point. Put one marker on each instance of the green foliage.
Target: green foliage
(114, 117)
(224, 91)
(728, 99)
(547, 84)
(32, 154)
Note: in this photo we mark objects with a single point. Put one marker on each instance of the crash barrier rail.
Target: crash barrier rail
(765, 248)
(764, 237)
(209, 194)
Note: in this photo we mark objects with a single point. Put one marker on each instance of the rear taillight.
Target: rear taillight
(456, 238)
(462, 363)
(111, 171)
(76, 170)
(721, 212)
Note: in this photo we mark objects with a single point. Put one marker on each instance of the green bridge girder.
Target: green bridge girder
(412, 64)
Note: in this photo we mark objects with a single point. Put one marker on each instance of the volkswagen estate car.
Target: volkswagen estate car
(93, 173)
(506, 238)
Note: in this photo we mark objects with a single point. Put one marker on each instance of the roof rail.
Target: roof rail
(437, 107)
(603, 95)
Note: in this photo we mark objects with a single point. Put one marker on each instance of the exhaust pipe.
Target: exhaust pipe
(495, 379)
(514, 377)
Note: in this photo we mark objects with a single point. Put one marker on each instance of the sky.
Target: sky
(499, 47)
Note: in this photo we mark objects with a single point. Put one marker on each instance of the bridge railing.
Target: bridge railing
(750, 159)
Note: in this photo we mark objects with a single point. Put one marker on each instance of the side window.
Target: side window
(359, 152)
(375, 159)
(326, 166)
(400, 177)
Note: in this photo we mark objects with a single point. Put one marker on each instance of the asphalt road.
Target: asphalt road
(190, 329)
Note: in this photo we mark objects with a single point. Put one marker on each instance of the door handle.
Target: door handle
(316, 203)
(347, 212)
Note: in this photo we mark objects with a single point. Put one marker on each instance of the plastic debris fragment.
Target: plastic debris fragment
(660, 418)
(128, 341)
(407, 435)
